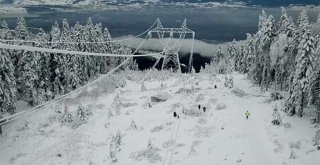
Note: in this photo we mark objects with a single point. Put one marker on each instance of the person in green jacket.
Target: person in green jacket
(247, 114)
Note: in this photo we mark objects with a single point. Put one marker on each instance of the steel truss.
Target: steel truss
(172, 37)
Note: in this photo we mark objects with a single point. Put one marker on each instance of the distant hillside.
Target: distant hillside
(267, 3)
(271, 3)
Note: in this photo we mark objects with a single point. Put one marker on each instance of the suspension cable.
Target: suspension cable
(47, 50)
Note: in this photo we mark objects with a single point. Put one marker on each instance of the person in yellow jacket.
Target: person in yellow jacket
(247, 114)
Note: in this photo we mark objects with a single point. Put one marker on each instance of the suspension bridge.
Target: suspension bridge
(170, 40)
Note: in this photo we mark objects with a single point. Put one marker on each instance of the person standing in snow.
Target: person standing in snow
(204, 109)
(247, 114)
(175, 115)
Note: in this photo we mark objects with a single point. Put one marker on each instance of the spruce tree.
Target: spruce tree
(250, 53)
(71, 80)
(6, 33)
(7, 83)
(266, 33)
(57, 62)
(43, 71)
(304, 69)
(29, 79)
(285, 24)
(20, 33)
(232, 50)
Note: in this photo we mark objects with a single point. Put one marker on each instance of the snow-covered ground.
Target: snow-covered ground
(221, 135)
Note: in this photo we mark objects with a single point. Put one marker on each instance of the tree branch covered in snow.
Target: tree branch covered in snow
(36, 77)
(285, 54)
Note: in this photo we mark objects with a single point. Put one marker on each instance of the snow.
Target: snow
(213, 137)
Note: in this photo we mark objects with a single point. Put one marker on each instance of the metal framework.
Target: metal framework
(172, 37)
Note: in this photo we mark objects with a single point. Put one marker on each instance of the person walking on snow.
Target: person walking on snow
(247, 114)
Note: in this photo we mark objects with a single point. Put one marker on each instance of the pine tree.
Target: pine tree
(240, 58)
(77, 32)
(43, 70)
(304, 69)
(108, 48)
(81, 113)
(72, 80)
(232, 50)
(285, 24)
(249, 53)
(29, 79)
(265, 35)
(220, 55)
(81, 36)
(98, 46)
(87, 37)
(6, 33)
(282, 60)
(57, 62)
(7, 84)
(21, 31)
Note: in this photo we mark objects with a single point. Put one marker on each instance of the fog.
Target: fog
(200, 47)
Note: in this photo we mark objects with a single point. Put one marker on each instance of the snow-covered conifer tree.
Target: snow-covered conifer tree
(219, 55)
(57, 62)
(72, 80)
(232, 50)
(249, 53)
(7, 83)
(21, 31)
(261, 69)
(304, 68)
(29, 79)
(6, 33)
(43, 72)
(285, 24)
